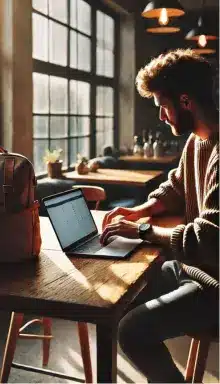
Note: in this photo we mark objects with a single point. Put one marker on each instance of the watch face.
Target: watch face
(144, 227)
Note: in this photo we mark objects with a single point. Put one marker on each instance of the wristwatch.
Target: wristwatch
(143, 230)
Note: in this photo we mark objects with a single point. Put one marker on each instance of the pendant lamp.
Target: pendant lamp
(204, 51)
(163, 10)
(201, 33)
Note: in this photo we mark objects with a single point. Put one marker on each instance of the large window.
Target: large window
(74, 79)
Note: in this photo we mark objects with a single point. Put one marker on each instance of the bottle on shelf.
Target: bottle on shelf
(174, 147)
(138, 148)
(158, 146)
(144, 136)
(148, 146)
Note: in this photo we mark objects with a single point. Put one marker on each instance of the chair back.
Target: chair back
(92, 193)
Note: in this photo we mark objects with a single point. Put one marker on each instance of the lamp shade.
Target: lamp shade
(154, 8)
(204, 51)
(201, 29)
(164, 30)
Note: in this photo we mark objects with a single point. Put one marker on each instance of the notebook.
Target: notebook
(76, 230)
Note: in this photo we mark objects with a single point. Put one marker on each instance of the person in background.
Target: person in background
(108, 160)
(185, 298)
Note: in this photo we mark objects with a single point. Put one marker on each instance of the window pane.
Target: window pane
(58, 10)
(83, 146)
(99, 125)
(109, 100)
(99, 136)
(40, 5)
(108, 132)
(83, 102)
(84, 17)
(83, 126)
(41, 126)
(79, 126)
(100, 69)
(109, 32)
(100, 26)
(99, 143)
(73, 49)
(73, 96)
(40, 37)
(40, 147)
(58, 126)
(109, 63)
(58, 95)
(61, 144)
(104, 101)
(40, 93)
(83, 53)
(73, 126)
(104, 134)
(100, 101)
(79, 97)
(58, 43)
(73, 13)
(73, 151)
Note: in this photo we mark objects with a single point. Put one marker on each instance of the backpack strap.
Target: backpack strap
(8, 189)
(3, 150)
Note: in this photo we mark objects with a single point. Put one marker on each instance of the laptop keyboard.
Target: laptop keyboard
(91, 246)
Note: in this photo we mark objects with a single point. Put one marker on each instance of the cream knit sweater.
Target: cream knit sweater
(192, 190)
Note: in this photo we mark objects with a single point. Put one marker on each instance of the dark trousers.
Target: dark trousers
(180, 306)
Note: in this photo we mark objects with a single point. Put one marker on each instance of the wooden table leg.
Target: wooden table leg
(106, 337)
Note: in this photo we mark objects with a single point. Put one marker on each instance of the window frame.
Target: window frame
(47, 68)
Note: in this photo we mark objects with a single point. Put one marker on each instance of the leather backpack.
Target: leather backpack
(19, 216)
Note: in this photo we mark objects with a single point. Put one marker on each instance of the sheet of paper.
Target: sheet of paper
(119, 247)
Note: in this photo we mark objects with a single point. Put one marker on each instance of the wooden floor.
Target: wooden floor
(65, 356)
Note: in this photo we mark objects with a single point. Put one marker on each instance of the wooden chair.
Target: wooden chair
(197, 357)
(92, 194)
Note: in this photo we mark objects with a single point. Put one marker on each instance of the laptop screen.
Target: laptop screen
(70, 216)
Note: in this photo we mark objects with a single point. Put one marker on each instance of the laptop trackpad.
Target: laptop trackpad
(119, 247)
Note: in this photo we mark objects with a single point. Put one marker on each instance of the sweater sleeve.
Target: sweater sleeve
(197, 243)
(171, 192)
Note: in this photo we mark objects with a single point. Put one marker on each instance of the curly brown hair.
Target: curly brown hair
(177, 72)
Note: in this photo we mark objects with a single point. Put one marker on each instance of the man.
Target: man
(185, 299)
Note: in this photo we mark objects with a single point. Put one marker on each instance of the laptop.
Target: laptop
(76, 230)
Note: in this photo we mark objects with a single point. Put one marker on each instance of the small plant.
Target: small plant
(82, 159)
(52, 156)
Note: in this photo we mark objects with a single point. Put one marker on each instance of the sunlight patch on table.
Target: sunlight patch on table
(109, 292)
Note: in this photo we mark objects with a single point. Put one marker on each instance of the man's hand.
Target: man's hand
(144, 220)
(129, 214)
(121, 228)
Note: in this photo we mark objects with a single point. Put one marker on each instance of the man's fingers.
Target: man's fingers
(117, 218)
(108, 228)
(144, 220)
(116, 212)
(132, 217)
(105, 236)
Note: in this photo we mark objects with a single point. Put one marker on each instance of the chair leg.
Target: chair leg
(191, 360)
(47, 324)
(201, 358)
(13, 333)
(85, 350)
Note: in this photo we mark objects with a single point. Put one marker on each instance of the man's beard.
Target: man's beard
(185, 122)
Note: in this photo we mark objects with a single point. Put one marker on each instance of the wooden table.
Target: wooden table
(78, 289)
(141, 162)
(142, 159)
(116, 176)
